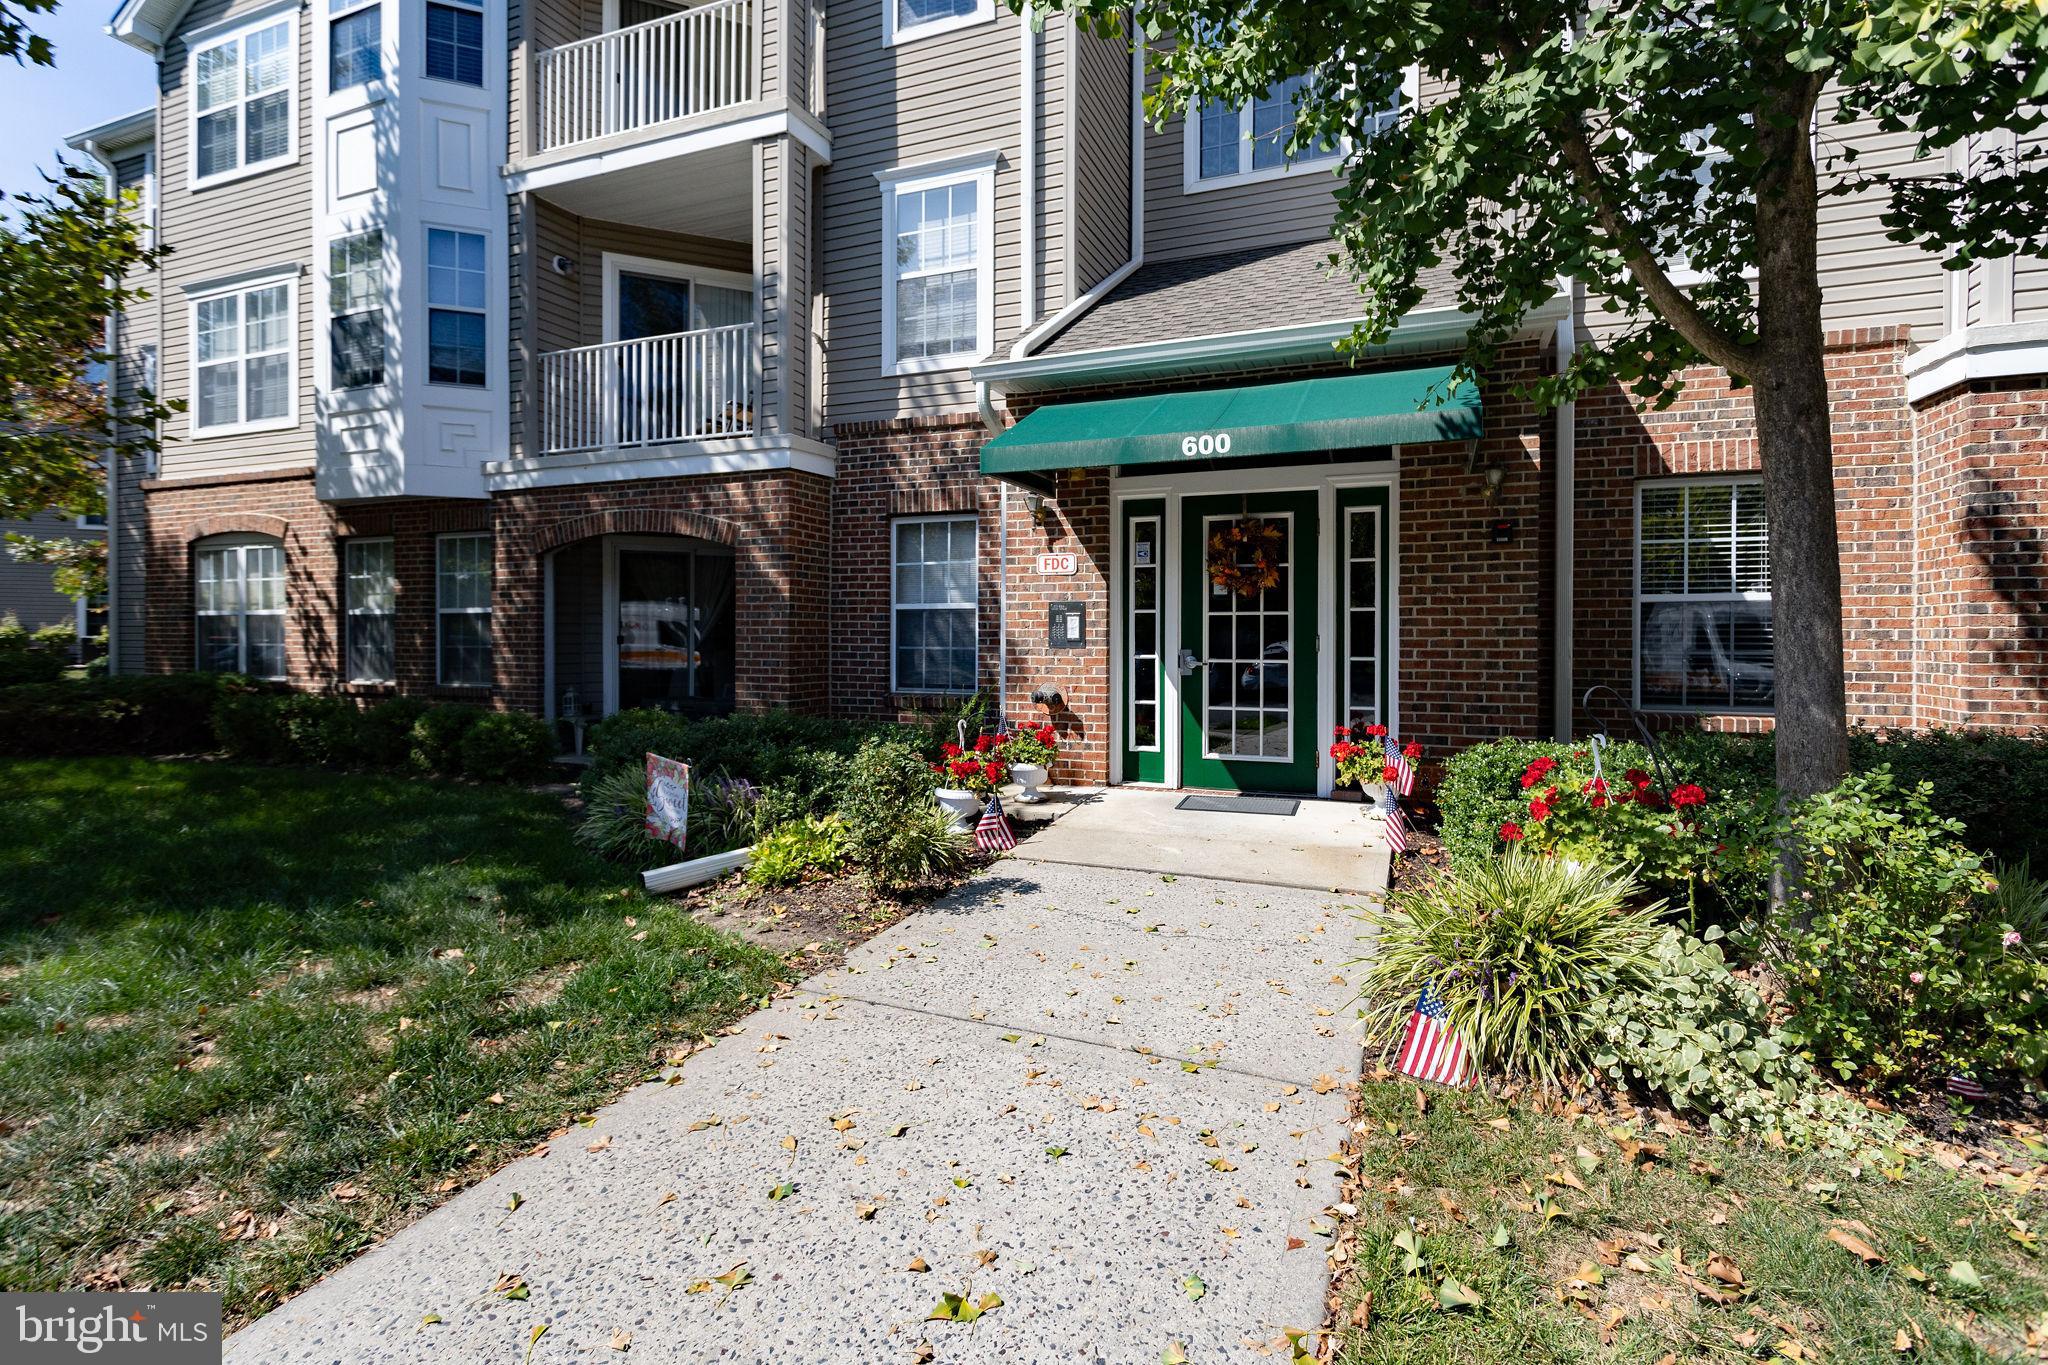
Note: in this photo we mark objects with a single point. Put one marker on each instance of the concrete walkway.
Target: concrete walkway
(1108, 1097)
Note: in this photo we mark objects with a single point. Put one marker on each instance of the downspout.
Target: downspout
(113, 347)
(1567, 504)
(1027, 165)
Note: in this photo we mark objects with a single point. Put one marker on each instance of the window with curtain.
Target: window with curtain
(238, 607)
(1703, 597)
(462, 604)
(370, 568)
(242, 96)
(935, 612)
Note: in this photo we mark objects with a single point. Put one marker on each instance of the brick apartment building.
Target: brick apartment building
(586, 354)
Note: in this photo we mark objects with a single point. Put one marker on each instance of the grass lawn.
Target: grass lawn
(1614, 1271)
(252, 1019)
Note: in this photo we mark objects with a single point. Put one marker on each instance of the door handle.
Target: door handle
(1188, 662)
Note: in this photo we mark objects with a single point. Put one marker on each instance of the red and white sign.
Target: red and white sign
(1063, 565)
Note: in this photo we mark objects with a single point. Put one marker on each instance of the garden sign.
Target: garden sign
(668, 799)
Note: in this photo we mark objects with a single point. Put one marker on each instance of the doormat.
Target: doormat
(1241, 805)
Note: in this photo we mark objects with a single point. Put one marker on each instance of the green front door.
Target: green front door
(1248, 708)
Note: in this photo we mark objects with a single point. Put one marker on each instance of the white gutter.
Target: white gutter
(112, 342)
(1567, 505)
(1027, 164)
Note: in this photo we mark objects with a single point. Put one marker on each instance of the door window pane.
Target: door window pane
(1249, 667)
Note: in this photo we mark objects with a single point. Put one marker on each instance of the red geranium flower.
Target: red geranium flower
(1411, 751)
(1390, 773)
(1376, 731)
(1510, 831)
(1598, 801)
(982, 744)
(1343, 732)
(1539, 809)
(950, 749)
(995, 771)
(1691, 794)
(1047, 735)
(1637, 778)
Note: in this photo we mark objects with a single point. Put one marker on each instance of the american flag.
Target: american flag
(994, 834)
(1430, 1050)
(1965, 1088)
(1404, 770)
(1396, 822)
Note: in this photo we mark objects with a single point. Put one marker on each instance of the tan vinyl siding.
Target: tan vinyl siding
(261, 221)
(1101, 194)
(2030, 273)
(1867, 281)
(1055, 163)
(1293, 208)
(944, 96)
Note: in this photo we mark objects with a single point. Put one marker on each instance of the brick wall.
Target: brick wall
(1711, 429)
(777, 523)
(1982, 606)
(282, 505)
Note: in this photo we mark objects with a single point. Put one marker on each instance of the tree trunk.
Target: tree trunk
(1797, 451)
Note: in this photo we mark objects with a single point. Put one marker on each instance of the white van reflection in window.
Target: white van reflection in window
(1708, 655)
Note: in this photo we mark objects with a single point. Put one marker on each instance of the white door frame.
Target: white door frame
(612, 545)
(1173, 488)
(694, 275)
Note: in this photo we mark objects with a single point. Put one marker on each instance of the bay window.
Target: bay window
(355, 305)
(456, 293)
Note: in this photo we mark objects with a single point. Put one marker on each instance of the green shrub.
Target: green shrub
(796, 851)
(437, 736)
(383, 735)
(1896, 969)
(1995, 783)
(768, 748)
(614, 823)
(898, 835)
(39, 656)
(1515, 945)
(507, 746)
(250, 726)
(167, 713)
(1701, 1038)
(318, 730)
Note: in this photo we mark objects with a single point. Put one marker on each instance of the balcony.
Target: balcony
(693, 63)
(652, 391)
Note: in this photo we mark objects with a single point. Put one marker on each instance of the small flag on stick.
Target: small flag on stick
(1396, 823)
(1430, 1050)
(1397, 759)
(994, 834)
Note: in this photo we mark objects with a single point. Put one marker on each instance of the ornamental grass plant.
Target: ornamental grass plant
(1516, 945)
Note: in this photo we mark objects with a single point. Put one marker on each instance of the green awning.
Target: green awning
(1341, 412)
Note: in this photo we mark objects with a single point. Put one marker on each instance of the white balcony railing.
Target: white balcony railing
(687, 386)
(689, 63)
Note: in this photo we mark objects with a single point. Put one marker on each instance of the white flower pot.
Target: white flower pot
(1028, 776)
(1375, 796)
(963, 806)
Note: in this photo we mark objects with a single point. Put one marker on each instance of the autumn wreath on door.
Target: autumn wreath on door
(1244, 556)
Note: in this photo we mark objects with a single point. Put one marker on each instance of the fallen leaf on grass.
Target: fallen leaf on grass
(1965, 1274)
(1361, 1316)
(1724, 1270)
(1902, 1342)
(1452, 1294)
(1854, 1245)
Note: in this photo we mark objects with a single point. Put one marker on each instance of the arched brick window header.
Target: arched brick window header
(237, 524)
(635, 521)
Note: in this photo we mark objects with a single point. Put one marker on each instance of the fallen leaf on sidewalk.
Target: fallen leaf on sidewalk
(621, 1339)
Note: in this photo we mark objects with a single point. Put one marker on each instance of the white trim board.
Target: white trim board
(738, 456)
(1978, 352)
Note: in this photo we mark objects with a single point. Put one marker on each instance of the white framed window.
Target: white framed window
(370, 584)
(238, 606)
(938, 250)
(1703, 597)
(905, 20)
(455, 43)
(355, 307)
(244, 112)
(355, 43)
(458, 279)
(934, 616)
(462, 610)
(1223, 145)
(244, 357)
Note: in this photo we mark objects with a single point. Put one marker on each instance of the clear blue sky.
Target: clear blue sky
(95, 79)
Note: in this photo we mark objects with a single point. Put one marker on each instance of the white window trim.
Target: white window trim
(288, 276)
(1638, 597)
(1129, 664)
(442, 613)
(981, 169)
(1192, 181)
(242, 544)
(897, 608)
(361, 92)
(487, 313)
(323, 348)
(984, 12)
(478, 7)
(200, 42)
(349, 613)
(614, 264)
